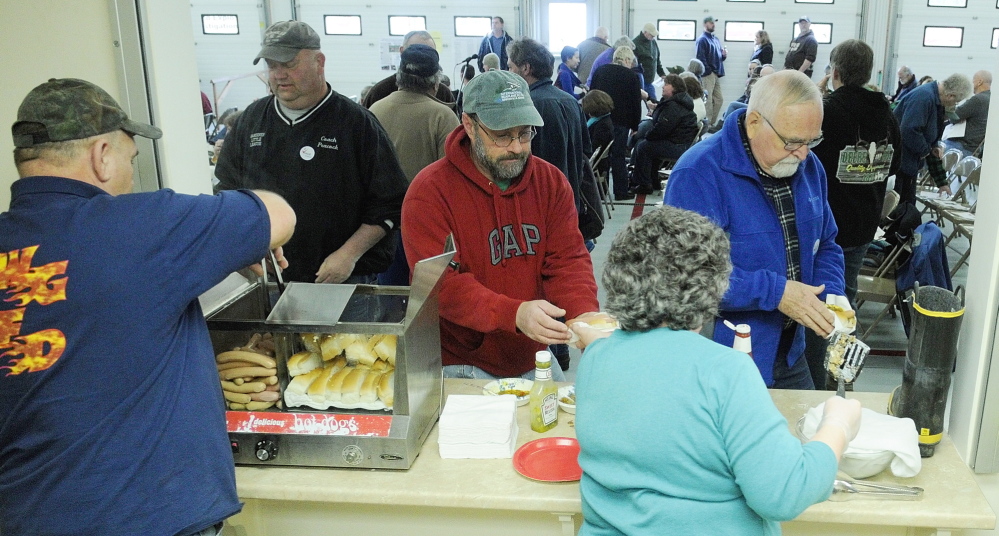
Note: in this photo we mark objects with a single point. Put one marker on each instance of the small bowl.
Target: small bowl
(569, 391)
(857, 465)
(510, 386)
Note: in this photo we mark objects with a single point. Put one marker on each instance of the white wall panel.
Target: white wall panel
(353, 62)
(222, 56)
(778, 17)
(978, 20)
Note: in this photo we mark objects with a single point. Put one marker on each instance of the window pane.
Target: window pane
(947, 3)
(472, 26)
(220, 24)
(822, 31)
(566, 25)
(677, 30)
(995, 37)
(343, 24)
(814, 1)
(402, 25)
(747, 0)
(742, 31)
(943, 36)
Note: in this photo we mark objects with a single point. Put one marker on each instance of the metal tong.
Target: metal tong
(847, 367)
(277, 276)
(847, 490)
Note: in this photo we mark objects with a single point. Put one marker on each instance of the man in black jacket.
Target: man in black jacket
(861, 147)
(563, 141)
(674, 127)
(326, 155)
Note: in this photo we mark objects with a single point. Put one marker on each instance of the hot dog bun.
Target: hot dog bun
(350, 392)
(386, 388)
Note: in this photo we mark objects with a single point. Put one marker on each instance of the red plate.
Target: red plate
(549, 459)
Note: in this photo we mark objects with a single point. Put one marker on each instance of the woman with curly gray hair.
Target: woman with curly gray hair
(677, 433)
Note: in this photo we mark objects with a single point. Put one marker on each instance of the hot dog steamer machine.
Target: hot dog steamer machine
(301, 436)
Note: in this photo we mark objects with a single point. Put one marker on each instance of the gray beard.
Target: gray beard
(498, 173)
(786, 167)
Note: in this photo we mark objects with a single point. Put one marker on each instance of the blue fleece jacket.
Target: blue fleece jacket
(919, 114)
(717, 179)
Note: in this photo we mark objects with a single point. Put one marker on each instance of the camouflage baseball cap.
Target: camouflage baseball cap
(67, 109)
(283, 40)
(501, 100)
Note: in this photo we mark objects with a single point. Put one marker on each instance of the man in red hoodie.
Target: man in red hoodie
(520, 260)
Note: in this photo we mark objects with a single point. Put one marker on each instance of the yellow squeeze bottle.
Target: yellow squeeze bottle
(544, 394)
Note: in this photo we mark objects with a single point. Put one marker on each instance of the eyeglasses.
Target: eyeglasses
(793, 145)
(505, 140)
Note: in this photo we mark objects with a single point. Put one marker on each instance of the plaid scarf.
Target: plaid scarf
(779, 192)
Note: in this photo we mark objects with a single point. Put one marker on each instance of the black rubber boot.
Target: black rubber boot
(936, 324)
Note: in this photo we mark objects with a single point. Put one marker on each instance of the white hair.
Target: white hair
(782, 89)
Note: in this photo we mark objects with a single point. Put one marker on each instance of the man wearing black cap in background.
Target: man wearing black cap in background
(802, 51)
(387, 85)
(111, 417)
(326, 155)
(417, 124)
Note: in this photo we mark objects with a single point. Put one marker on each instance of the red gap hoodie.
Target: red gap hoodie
(514, 246)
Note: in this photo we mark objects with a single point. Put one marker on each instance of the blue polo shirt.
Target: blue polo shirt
(111, 414)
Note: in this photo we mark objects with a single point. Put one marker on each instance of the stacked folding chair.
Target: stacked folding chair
(599, 155)
(877, 284)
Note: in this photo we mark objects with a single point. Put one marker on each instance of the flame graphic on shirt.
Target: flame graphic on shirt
(21, 284)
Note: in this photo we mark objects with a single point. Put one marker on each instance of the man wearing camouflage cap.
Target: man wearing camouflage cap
(111, 418)
(326, 155)
(520, 262)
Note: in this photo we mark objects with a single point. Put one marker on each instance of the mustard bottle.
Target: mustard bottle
(544, 394)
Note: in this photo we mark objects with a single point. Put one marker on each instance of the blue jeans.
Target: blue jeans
(471, 372)
(798, 375)
(854, 258)
(651, 90)
(954, 144)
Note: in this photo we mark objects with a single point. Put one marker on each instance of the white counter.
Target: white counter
(489, 497)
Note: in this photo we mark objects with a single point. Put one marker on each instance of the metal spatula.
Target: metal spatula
(844, 358)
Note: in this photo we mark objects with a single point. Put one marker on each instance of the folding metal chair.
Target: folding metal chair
(960, 176)
(598, 156)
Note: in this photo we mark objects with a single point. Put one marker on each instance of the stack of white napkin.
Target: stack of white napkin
(882, 441)
(475, 426)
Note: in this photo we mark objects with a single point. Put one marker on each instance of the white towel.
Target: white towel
(476, 426)
(879, 435)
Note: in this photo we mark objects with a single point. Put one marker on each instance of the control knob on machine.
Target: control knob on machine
(266, 450)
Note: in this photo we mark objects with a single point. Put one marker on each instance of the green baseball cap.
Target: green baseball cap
(67, 109)
(283, 40)
(501, 100)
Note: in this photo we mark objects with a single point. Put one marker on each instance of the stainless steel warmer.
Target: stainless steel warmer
(387, 439)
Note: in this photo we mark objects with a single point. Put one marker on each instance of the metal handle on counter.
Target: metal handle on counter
(277, 272)
(846, 490)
